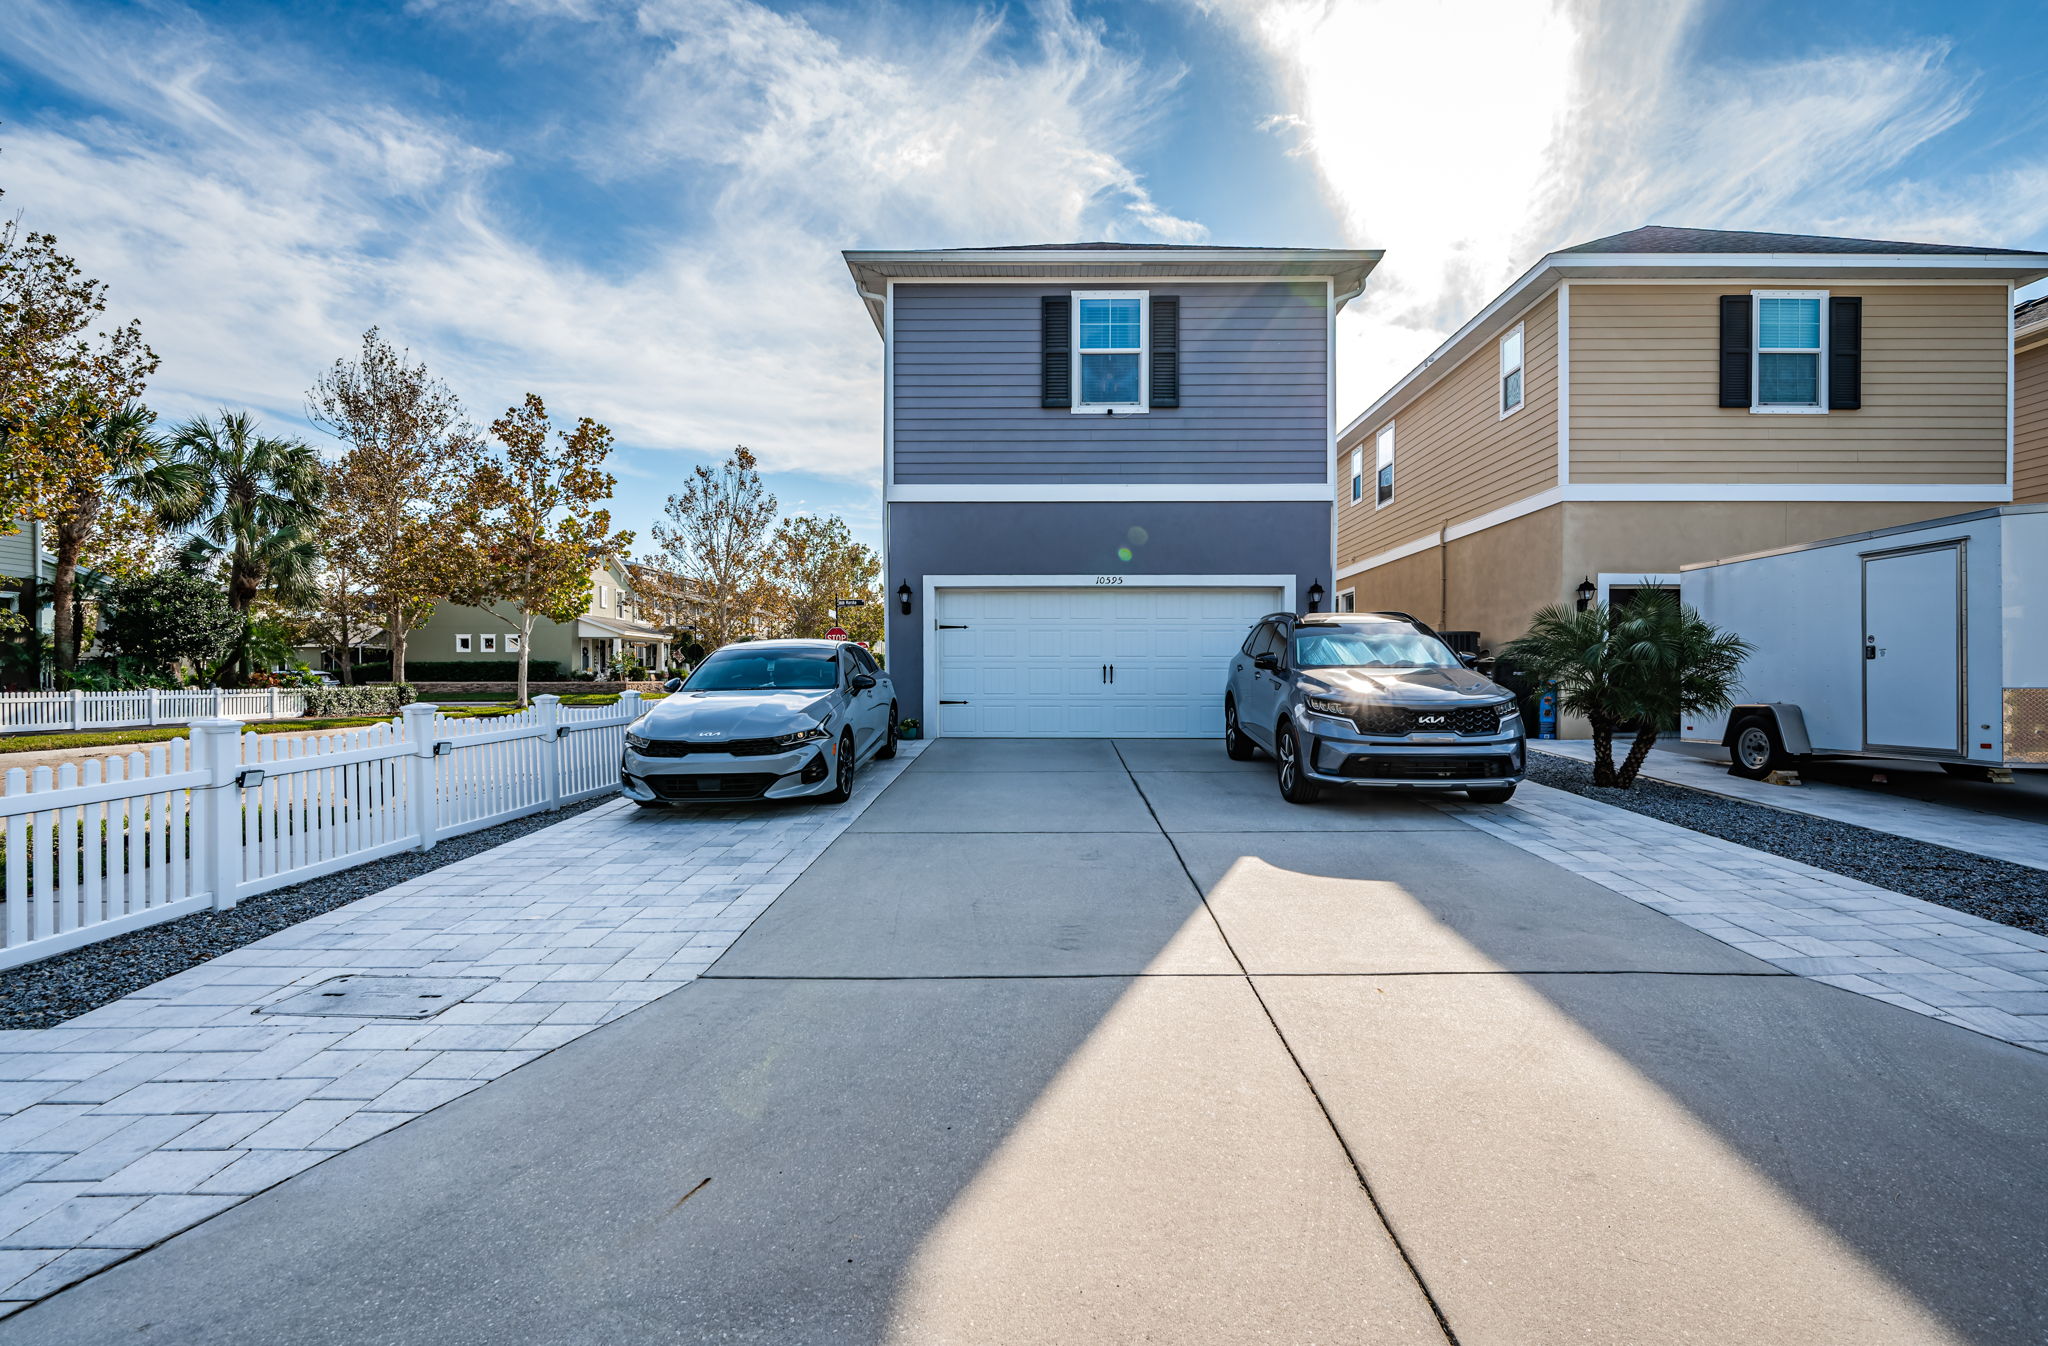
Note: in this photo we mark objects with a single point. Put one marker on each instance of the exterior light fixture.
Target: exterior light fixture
(903, 598)
(1315, 596)
(1587, 593)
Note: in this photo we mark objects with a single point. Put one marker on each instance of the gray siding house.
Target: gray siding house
(1101, 463)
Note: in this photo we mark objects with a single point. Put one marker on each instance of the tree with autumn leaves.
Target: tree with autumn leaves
(532, 523)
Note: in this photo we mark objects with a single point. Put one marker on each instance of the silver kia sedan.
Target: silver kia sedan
(764, 719)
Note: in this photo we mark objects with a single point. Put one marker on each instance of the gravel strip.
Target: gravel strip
(42, 995)
(1996, 890)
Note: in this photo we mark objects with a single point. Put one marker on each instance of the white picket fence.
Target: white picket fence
(151, 706)
(114, 844)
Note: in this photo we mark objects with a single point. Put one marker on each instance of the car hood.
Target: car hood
(1402, 686)
(691, 715)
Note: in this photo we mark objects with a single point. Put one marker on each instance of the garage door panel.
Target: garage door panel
(1030, 662)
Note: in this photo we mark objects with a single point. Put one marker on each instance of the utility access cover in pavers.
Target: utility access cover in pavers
(357, 997)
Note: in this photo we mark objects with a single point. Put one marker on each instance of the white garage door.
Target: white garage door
(1088, 663)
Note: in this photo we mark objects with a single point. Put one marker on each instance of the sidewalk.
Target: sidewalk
(2021, 843)
(149, 1115)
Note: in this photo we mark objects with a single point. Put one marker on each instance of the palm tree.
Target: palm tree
(134, 467)
(1577, 651)
(1688, 667)
(255, 521)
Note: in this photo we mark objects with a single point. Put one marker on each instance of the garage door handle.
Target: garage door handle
(1112, 672)
(952, 703)
(945, 627)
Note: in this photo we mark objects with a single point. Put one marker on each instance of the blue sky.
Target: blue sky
(636, 209)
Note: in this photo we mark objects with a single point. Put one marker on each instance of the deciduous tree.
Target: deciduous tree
(716, 539)
(534, 521)
(166, 616)
(814, 563)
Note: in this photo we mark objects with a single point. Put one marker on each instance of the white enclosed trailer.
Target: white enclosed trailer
(1928, 641)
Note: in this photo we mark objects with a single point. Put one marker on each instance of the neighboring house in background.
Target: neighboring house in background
(25, 571)
(2030, 402)
(1667, 396)
(609, 632)
(1102, 462)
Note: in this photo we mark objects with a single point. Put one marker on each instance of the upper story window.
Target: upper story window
(1109, 346)
(1791, 351)
(602, 595)
(1357, 475)
(1383, 448)
(1511, 371)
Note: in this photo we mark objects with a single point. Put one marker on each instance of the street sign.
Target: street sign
(836, 633)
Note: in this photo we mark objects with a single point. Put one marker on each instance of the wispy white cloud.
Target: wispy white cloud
(1468, 139)
(257, 213)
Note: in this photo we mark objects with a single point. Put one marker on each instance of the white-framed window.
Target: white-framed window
(1110, 374)
(1347, 600)
(511, 644)
(603, 594)
(1383, 457)
(490, 642)
(1511, 371)
(462, 644)
(1789, 352)
(1357, 475)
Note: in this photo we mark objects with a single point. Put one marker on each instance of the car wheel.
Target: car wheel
(1753, 748)
(1237, 745)
(1490, 794)
(842, 773)
(1295, 786)
(888, 748)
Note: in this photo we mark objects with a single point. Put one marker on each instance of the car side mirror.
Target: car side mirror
(1468, 660)
(1269, 662)
(672, 685)
(860, 682)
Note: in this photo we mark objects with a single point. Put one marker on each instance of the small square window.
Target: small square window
(511, 644)
(462, 644)
(490, 644)
(1347, 600)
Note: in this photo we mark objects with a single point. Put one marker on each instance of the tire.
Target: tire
(1490, 794)
(1754, 748)
(1237, 745)
(842, 777)
(1295, 786)
(888, 748)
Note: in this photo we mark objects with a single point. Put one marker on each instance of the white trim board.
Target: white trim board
(928, 613)
(1318, 492)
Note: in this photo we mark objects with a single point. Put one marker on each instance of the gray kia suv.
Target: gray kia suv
(1373, 699)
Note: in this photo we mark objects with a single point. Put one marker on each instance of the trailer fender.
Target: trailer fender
(1789, 719)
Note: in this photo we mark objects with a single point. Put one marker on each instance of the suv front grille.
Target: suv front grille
(738, 747)
(1427, 768)
(711, 787)
(1399, 721)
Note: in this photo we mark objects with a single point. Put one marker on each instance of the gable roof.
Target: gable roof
(1664, 238)
(2030, 324)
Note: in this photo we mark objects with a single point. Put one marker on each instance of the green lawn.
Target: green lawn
(121, 738)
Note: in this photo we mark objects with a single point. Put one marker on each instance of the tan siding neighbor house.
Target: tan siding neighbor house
(2030, 402)
(1667, 396)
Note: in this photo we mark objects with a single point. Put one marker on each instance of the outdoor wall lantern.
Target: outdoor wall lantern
(1315, 595)
(1587, 592)
(903, 598)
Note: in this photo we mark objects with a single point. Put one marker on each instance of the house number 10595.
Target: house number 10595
(1109, 579)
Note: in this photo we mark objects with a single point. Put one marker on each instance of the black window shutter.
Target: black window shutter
(1055, 351)
(1735, 336)
(1845, 353)
(1165, 385)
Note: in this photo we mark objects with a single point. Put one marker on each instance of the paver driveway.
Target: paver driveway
(1091, 1042)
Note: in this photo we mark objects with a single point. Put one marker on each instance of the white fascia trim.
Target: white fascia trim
(1392, 554)
(2011, 388)
(1564, 382)
(888, 402)
(1787, 491)
(1478, 523)
(1070, 281)
(1316, 491)
(933, 583)
(1331, 303)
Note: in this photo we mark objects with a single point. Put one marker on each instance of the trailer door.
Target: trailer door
(1913, 650)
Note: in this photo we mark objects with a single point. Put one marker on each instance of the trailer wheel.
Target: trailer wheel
(1754, 748)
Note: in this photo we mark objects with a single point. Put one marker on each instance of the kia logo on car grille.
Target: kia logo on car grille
(1429, 719)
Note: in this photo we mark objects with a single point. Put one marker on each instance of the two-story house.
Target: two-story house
(2030, 402)
(1102, 462)
(1666, 396)
(610, 632)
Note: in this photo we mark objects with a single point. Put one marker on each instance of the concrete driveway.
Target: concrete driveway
(1092, 1042)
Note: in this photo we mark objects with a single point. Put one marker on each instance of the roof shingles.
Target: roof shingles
(1660, 238)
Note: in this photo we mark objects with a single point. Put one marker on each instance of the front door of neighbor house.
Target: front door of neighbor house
(1913, 631)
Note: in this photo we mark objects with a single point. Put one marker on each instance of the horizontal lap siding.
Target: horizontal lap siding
(1455, 456)
(1645, 365)
(2030, 426)
(1253, 362)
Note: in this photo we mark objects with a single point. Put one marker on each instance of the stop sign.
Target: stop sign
(836, 633)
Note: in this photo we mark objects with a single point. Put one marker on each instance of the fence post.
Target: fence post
(216, 702)
(629, 705)
(77, 709)
(155, 713)
(217, 824)
(422, 790)
(276, 711)
(547, 708)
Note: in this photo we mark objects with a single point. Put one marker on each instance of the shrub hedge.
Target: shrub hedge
(463, 670)
(377, 699)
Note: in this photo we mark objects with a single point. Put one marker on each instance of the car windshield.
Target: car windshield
(1370, 647)
(744, 670)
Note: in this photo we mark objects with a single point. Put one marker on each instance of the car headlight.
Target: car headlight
(1327, 705)
(1510, 718)
(636, 742)
(803, 736)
